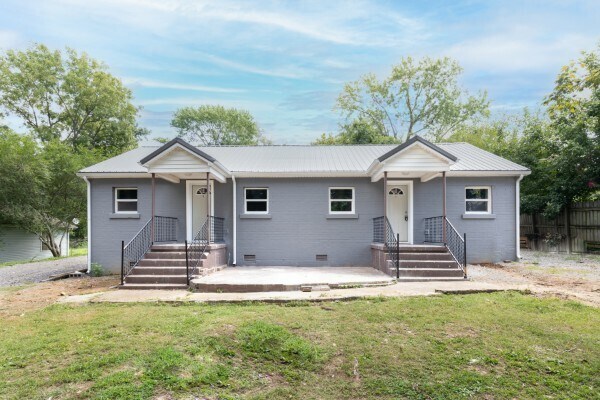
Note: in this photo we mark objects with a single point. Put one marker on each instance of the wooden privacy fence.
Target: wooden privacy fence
(578, 226)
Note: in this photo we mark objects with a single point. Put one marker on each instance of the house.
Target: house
(152, 208)
(19, 245)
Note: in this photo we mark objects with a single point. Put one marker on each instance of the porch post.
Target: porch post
(385, 194)
(153, 206)
(208, 194)
(444, 206)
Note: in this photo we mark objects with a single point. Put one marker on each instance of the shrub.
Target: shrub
(96, 270)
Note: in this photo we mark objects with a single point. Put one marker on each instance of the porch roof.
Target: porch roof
(306, 160)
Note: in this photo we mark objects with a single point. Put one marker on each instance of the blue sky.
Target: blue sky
(286, 62)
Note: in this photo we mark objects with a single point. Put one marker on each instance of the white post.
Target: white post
(518, 215)
(89, 224)
(234, 241)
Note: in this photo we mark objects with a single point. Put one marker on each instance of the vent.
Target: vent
(321, 257)
(250, 257)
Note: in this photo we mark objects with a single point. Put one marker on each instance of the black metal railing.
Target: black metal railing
(164, 230)
(383, 233)
(195, 249)
(217, 227)
(440, 230)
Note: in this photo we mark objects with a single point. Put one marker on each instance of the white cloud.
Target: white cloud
(149, 83)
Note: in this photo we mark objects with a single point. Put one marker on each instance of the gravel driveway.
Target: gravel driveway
(39, 271)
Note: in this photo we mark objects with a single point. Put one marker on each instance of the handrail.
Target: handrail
(165, 230)
(195, 249)
(217, 229)
(440, 230)
(383, 233)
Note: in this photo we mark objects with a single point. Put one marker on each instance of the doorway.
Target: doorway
(399, 210)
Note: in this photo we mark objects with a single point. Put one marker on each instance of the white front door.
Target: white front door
(397, 210)
(199, 207)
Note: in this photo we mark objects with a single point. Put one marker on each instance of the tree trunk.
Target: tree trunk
(48, 239)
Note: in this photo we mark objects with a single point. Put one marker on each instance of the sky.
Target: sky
(286, 62)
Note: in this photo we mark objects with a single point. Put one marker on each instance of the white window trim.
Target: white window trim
(353, 210)
(117, 200)
(489, 199)
(246, 200)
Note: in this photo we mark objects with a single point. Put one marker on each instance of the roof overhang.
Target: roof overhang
(163, 162)
(415, 158)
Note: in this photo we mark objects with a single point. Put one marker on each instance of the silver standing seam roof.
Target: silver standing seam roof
(309, 159)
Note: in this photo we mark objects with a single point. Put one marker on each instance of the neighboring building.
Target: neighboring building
(19, 245)
(303, 205)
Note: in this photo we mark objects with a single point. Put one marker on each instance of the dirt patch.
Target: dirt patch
(575, 277)
(16, 301)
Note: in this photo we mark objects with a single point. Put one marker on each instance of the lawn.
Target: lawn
(503, 345)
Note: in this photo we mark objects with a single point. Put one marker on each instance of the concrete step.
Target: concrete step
(165, 255)
(153, 286)
(157, 279)
(139, 270)
(427, 273)
(431, 279)
(426, 256)
(160, 262)
(427, 264)
(421, 248)
(168, 247)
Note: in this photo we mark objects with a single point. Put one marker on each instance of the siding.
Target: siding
(488, 240)
(108, 232)
(19, 245)
(299, 230)
(415, 158)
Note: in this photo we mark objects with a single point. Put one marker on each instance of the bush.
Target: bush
(96, 270)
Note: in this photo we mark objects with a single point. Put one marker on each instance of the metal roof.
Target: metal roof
(308, 159)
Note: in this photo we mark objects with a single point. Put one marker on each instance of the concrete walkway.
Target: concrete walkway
(395, 290)
(270, 279)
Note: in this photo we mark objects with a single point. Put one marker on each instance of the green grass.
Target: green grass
(503, 345)
(74, 252)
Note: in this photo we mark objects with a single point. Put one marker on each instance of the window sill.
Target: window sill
(341, 216)
(478, 216)
(124, 216)
(255, 216)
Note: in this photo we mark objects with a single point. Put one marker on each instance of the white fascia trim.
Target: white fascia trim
(108, 175)
(487, 173)
(89, 224)
(169, 177)
(315, 174)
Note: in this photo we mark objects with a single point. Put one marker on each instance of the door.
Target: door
(199, 207)
(397, 210)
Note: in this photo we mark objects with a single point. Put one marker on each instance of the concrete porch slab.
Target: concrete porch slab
(279, 279)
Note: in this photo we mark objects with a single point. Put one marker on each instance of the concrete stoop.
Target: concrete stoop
(164, 267)
(204, 287)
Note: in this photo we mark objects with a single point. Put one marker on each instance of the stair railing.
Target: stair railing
(440, 230)
(195, 249)
(383, 233)
(165, 230)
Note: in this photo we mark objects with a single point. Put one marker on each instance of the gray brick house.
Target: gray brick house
(299, 205)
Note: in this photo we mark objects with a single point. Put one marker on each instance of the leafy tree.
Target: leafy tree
(419, 97)
(217, 125)
(68, 97)
(356, 132)
(39, 191)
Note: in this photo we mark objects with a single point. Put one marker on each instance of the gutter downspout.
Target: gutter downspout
(89, 224)
(234, 241)
(518, 215)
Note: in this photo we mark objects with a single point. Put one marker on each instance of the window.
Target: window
(126, 200)
(256, 200)
(478, 199)
(341, 200)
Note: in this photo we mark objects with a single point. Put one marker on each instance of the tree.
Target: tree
(68, 97)
(356, 132)
(216, 125)
(417, 98)
(39, 191)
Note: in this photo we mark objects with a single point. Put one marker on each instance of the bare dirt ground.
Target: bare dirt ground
(571, 276)
(18, 300)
